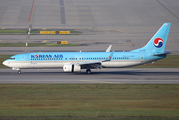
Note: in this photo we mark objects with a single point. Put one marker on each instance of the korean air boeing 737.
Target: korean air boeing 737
(75, 61)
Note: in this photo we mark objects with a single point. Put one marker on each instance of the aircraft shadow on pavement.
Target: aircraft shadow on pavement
(132, 72)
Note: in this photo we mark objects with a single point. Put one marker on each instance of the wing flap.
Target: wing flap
(88, 63)
(91, 65)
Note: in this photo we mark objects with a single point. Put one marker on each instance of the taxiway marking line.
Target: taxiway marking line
(44, 41)
(31, 11)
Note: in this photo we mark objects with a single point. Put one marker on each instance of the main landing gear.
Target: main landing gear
(19, 72)
(88, 71)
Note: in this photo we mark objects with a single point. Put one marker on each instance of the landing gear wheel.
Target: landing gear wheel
(88, 71)
(19, 72)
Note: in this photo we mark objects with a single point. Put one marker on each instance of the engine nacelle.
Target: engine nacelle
(71, 68)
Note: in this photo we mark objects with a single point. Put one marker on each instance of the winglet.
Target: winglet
(110, 56)
(109, 48)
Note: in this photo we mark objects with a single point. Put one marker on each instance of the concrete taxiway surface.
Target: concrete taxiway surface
(103, 14)
(104, 76)
(126, 24)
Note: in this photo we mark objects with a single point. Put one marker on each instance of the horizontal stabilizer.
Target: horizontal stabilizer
(164, 53)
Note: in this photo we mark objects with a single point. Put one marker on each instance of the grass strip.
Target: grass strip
(86, 118)
(13, 31)
(171, 61)
(89, 100)
(37, 45)
(8, 31)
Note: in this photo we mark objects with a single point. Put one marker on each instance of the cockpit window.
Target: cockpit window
(12, 58)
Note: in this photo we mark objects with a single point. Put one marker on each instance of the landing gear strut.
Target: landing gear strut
(88, 71)
(19, 71)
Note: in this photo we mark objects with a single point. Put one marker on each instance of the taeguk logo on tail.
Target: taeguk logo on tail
(158, 42)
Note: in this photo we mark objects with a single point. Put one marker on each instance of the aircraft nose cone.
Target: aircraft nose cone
(5, 63)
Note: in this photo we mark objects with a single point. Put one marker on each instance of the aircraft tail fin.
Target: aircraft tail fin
(158, 42)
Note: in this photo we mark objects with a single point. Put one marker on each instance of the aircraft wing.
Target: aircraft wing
(95, 64)
(89, 65)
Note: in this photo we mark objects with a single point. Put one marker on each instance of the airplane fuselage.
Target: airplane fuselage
(59, 59)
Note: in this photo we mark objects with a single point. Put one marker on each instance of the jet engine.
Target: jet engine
(71, 68)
